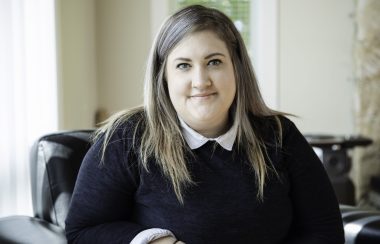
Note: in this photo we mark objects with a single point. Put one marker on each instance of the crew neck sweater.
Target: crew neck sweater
(194, 140)
(114, 201)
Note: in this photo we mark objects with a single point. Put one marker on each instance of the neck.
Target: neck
(210, 130)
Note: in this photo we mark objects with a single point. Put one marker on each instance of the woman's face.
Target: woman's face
(201, 82)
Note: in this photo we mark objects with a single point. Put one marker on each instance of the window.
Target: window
(28, 94)
(237, 10)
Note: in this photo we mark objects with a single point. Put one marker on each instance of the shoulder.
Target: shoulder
(122, 131)
(124, 124)
(272, 125)
(112, 156)
(127, 120)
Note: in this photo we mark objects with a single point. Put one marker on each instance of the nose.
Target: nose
(200, 78)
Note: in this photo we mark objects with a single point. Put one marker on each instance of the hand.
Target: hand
(166, 240)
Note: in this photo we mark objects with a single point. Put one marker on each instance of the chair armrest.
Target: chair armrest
(24, 229)
(361, 226)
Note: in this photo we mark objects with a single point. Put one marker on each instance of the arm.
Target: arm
(166, 240)
(154, 236)
(102, 202)
(317, 218)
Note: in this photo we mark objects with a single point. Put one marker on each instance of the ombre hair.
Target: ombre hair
(162, 138)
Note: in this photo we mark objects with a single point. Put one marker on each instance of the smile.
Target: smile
(203, 95)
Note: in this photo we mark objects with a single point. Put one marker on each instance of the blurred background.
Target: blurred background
(69, 64)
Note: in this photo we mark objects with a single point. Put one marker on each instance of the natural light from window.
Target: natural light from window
(28, 94)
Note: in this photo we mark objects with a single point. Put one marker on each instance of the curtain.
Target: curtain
(28, 94)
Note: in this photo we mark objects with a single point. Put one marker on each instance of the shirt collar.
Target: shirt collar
(196, 140)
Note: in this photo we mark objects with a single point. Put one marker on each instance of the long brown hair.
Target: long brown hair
(162, 137)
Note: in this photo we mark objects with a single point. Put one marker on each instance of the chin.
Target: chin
(204, 117)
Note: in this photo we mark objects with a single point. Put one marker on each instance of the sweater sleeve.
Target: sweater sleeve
(317, 218)
(101, 209)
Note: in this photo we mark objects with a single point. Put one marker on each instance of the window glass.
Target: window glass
(237, 10)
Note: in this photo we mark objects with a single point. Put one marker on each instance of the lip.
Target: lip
(203, 95)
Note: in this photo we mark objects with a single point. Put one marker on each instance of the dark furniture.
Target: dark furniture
(55, 161)
(337, 161)
(374, 192)
(54, 164)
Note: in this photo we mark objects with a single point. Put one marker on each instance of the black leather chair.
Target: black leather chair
(54, 165)
(55, 161)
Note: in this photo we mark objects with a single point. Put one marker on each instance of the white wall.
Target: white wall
(76, 63)
(316, 80)
(104, 46)
(159, 11)
(264, 44)
(102, 51)
(123, 42)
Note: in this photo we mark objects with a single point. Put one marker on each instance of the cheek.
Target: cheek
(172, 94)
(228, 84)
(176, 93)
(230, 90)
(170, 83)
(232, 83)
(177, 87)
(233, 86)
(232, 93)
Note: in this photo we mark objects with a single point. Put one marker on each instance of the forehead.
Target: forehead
(199, 43)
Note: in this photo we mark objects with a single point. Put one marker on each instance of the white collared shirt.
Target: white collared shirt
(196, 140)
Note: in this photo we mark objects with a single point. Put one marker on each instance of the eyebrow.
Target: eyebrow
(207, 57)
(214, 54)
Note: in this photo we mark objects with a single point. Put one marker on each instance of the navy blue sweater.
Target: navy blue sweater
(114, 202)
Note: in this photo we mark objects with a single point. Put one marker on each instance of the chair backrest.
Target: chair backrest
(54, 165)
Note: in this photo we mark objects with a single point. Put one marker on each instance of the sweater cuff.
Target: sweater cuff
(149, 235)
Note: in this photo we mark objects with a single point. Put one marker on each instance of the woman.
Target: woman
(204, 160)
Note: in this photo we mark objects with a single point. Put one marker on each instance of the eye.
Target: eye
(183, 66)
(214, 62)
